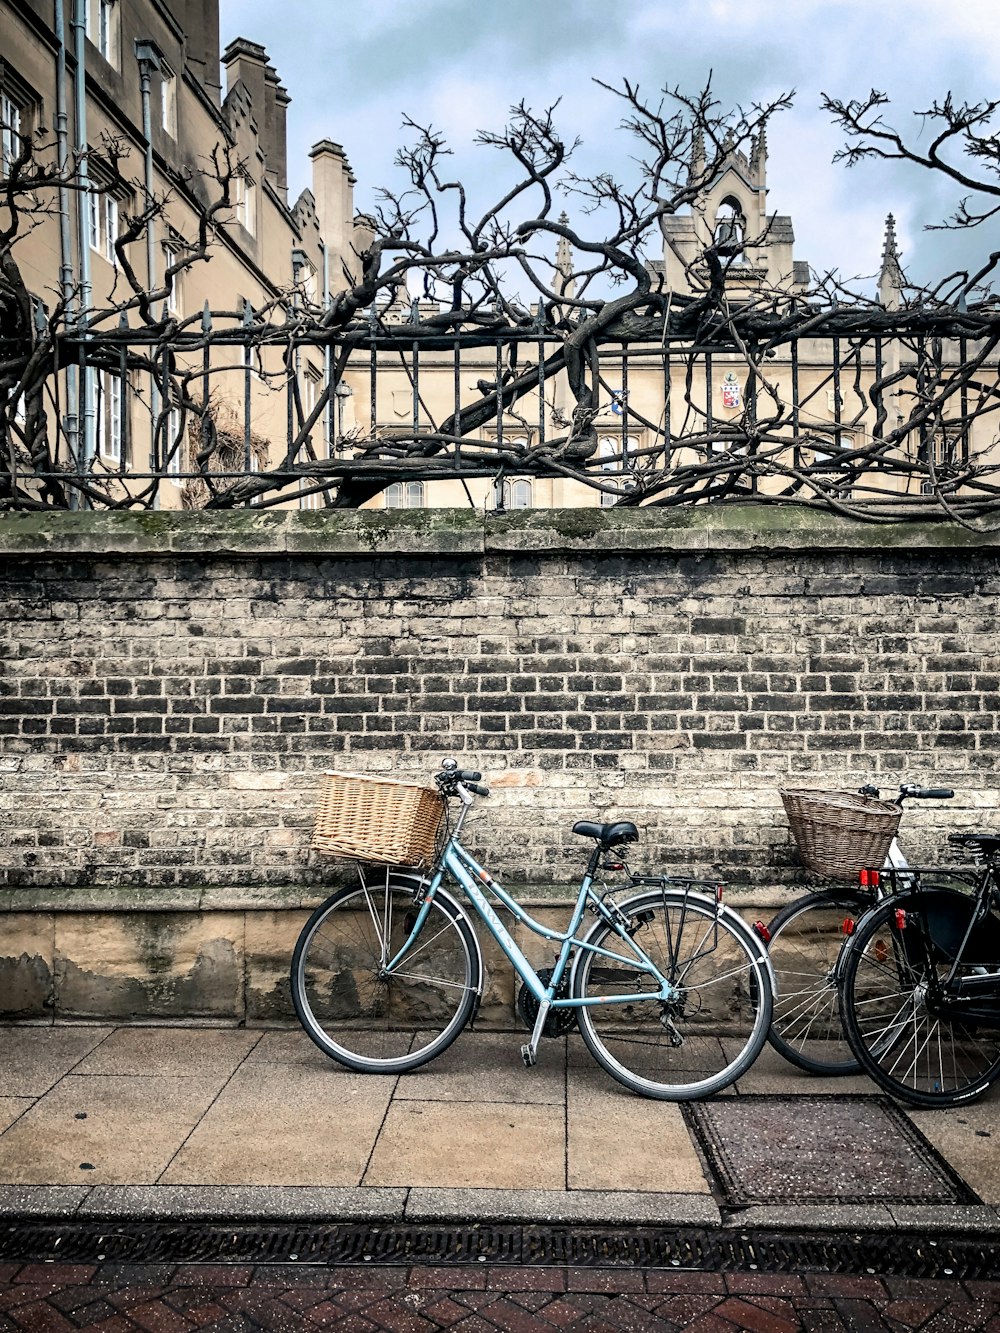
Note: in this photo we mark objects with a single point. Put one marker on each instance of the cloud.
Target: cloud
(352, 71)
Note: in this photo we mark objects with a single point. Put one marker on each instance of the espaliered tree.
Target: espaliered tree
(914, 433)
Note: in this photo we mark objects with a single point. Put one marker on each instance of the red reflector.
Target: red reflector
(615, 865)
(874, 879)
(718, 893)
(863, 879)
(762, 931)
(848, 926)
(900, 919)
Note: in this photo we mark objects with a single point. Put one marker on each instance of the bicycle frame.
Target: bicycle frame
(465, 870)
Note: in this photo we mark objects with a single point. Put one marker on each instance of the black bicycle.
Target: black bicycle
(919, 981)
(804, 941)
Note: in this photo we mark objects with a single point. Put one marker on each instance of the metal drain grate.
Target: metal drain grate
(750, 1250)
(830, 1149)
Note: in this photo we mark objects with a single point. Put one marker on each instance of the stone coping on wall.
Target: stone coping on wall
(436, 532)
(251, 898)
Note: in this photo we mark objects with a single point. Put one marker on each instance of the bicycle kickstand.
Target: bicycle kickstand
(529, 1051)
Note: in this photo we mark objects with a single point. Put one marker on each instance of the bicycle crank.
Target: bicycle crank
(558, 1021)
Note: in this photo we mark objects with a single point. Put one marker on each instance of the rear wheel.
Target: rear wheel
(711, 1030)
(911, 1042)
(804, 947)
(358, 1011)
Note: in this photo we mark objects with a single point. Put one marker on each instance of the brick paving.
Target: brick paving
(171, 1298)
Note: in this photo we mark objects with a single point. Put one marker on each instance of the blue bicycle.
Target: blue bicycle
(672, 991)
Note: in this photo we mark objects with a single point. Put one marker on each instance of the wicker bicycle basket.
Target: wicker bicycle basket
(377, 819)
(839, 833)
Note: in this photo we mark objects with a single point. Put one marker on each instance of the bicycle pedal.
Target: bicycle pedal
(528, 1056)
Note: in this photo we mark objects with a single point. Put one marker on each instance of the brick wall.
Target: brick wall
(175, 684)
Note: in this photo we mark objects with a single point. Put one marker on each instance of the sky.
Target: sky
(353, 70)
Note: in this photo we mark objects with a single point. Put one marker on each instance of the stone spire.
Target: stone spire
(890, 278)
(697, 167)
(565, 283)
(758, 153)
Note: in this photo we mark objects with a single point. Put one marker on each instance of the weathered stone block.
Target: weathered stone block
(26, 965)
(149, 965)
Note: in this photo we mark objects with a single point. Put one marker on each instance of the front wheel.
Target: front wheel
(709, 1032)
(359, 1011)
(804, 948)
(905, 1034)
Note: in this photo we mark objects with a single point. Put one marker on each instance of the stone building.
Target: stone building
(85, 78)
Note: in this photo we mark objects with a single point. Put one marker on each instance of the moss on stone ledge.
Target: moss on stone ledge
(468, 532)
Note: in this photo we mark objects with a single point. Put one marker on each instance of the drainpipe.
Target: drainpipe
(149, 57)
(78, 25)
(71, 424)
(327, 355)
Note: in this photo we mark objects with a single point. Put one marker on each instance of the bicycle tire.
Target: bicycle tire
(926, 1059)
(351, 1009)
(804, 948)
(722, 1013)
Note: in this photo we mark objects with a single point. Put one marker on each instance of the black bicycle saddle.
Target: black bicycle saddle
(608, 835)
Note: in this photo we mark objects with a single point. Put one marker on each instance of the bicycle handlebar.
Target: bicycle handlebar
(451, 778)
(910, 789)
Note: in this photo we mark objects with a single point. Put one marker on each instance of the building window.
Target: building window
(513, 493)
(304, 276)
(11, 141)
(312, 380)
(104, 28)
(174, 442)
(104, 225)
(829, 468)
(613, 451)
(173, 253)
(168, 100)
(244, 202)
(941, 447)
(405, 495)
(105, 415)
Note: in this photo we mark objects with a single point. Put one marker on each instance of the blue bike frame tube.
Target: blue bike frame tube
(457, 861)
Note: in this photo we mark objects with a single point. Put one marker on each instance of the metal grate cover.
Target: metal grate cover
(764, 1250)
(766, 1149)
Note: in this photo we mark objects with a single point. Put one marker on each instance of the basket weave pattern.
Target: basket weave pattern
(377, 819)
(839, 833)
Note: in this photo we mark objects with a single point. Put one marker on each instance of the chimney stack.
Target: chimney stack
(333, 190)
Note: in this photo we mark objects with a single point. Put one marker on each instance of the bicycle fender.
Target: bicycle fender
(415, 881)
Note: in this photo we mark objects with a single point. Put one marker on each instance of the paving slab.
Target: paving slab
(250, 1202)
(103, 1129)
(290, 1046)
(33, 1059)
(11, 1108)
(968, 1137)
(174, 1052)
(277, 1124)
(769, 1073)
(611, 1207)
(618, 1141)
(487, 1067)
(469, 1144)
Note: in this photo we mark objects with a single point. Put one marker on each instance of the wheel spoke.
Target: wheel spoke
(363, 1017)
